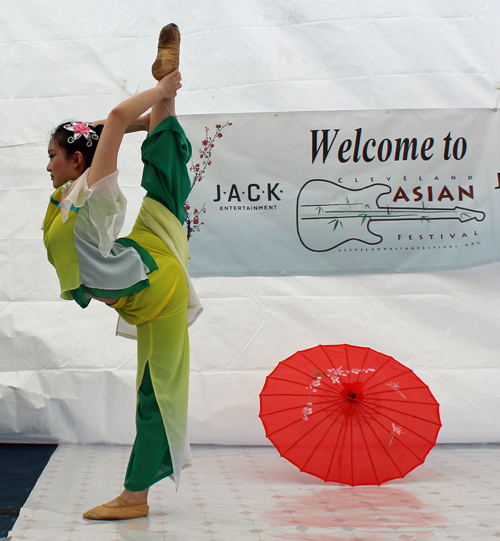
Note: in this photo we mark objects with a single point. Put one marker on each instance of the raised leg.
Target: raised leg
(167, 60)
(160, 111)
(120, 118)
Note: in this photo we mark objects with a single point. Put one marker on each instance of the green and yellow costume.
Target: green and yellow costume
(146, 272)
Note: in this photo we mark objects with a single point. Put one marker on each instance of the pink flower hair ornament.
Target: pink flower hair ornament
(81, 129)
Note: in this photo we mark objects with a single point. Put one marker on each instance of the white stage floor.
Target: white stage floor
(250, 493)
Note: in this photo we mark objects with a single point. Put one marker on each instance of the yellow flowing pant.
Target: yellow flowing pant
(159, 312)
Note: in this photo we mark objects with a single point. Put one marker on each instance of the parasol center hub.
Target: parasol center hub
(351, 394)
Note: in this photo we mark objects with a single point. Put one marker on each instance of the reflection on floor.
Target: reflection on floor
(250, 493)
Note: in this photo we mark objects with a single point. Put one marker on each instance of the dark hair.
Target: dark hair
(62, 137)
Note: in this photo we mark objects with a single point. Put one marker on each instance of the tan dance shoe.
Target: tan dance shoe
(123, 511)
(169, 46)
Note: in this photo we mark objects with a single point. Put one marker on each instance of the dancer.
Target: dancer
(142, 276)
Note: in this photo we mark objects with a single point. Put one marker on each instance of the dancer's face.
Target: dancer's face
(61, 167)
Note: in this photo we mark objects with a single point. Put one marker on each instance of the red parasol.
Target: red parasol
(349, 414)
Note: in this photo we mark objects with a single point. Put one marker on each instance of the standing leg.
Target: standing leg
(162, 382)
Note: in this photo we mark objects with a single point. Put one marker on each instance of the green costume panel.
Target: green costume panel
(150, 459)
(165, 177)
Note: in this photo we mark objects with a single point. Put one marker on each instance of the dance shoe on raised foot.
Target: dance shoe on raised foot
(169, 46)
(123, 511)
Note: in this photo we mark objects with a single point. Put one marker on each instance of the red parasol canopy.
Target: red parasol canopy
(349, 414)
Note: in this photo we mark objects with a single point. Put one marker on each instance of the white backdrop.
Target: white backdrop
(64, 375)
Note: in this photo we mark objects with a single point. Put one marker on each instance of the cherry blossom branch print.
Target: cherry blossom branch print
(193, 216)
(334, 375)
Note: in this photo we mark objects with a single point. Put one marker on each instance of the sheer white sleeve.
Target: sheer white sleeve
(107, 206)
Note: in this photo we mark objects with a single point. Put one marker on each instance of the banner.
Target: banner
(319, 193)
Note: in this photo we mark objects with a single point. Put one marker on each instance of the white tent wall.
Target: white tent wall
(64, 376)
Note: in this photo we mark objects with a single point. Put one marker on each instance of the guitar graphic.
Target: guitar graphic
(323, 225)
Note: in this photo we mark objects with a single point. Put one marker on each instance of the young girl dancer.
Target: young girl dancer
(142, 276)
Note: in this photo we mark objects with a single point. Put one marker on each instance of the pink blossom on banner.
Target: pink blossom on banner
(192, 219)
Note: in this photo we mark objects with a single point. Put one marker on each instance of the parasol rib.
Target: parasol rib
(320, 442)
(408, 415)
(369, 454)
(314, 427)
(341, 431)
(384, 448)
(376, 420)
(391, 419)
(401, 374)
(298, 408)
